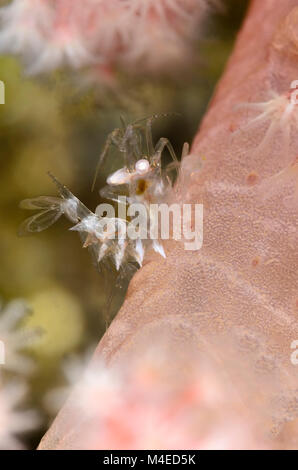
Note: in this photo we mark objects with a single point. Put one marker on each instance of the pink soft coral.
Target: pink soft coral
(49, 34)
(143, 404)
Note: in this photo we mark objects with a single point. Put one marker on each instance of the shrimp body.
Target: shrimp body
(145, 182)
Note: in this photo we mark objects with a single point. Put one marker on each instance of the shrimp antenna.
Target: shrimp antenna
(64, 192)
(99, 163)
(103, 154)
(155, 116)
(123, 123)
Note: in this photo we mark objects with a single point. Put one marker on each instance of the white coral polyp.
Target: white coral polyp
(67, 39)
(48, 34)
(142, 405)
(23, 23)
(281, 115)
(14, 339)
(14, 422)
(168, 12)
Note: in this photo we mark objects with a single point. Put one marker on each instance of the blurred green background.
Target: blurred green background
(58, 123)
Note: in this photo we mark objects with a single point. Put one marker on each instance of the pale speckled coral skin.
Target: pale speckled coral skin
(244, 279)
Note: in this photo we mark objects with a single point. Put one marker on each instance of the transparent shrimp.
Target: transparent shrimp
(135, 142)
(142, 177)
(145, 182)
(16, 338)
(103, 236)
(115, 257)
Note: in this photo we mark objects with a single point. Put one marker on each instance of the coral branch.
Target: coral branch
(240, 290)
(48, 34)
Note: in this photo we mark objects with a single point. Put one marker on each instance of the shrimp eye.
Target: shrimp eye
(142, 166)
